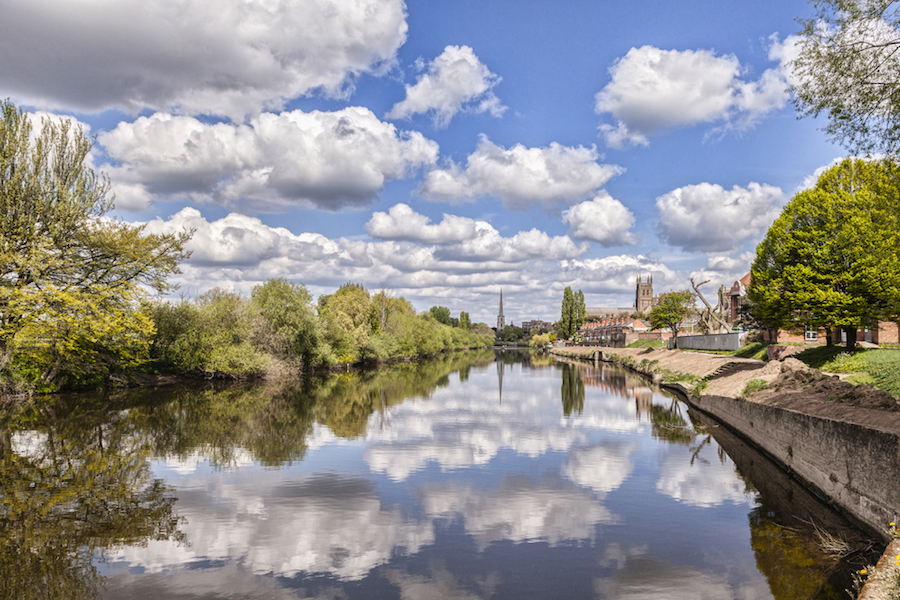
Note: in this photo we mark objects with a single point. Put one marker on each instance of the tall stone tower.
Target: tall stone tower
(501, 320)
(643, 295)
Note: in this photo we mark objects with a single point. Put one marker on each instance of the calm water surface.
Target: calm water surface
(480, 475)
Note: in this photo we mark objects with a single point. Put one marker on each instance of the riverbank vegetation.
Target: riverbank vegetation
(277, 329)
(874, 366)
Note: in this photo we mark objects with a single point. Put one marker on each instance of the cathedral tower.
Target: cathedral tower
(501, 320)
(643, 295)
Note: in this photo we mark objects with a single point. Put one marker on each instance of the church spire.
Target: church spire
(501, 320)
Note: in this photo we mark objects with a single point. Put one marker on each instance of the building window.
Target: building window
(811, 336)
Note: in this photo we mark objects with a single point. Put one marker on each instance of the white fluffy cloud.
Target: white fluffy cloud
(232, 57)
(603, 219)
(238, 252)
(614, 276)
(652, 90)
(456, 81)
(730, 264)
(521, 177)
(403, 223)
(275, 162)
(708, 218)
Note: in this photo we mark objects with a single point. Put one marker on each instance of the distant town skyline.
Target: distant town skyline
(442, 151)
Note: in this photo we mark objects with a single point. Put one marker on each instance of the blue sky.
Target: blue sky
(442, 150)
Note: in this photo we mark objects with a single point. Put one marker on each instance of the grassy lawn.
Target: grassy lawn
(879, 367)
(646, 344)
(757, 350)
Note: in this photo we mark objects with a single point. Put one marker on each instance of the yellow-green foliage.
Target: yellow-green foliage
(539, 341)
(72, 284)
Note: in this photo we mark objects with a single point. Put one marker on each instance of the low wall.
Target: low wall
(856, 467)
(716, 341)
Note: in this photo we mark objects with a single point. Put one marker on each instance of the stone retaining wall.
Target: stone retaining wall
(856, 467)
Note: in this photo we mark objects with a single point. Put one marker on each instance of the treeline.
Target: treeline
(278, 328)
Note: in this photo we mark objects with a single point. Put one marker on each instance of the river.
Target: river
(490, 474)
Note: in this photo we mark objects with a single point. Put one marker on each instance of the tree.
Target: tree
(73, 284)
(511, 333)
(580, 310)
(465, 322)
(349, 320)
(441, 314)
(671, 310)
(287, 310)
(849, 67)
(568, 315)
(831, 259)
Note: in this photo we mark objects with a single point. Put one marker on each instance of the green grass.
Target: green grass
(879, 367)
(753, 386)
(757, 350)
(646, 344)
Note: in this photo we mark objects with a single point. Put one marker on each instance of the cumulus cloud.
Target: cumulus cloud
(238, 252)
(403, 223)
(653, 90)
(603, 219)
(456, 81)
(615, 275)
(275, 162)
(521, 177)
(729, 264)
(708, 218)
(232, 58)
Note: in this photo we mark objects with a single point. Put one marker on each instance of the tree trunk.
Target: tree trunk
(851, 337)
(828, 341)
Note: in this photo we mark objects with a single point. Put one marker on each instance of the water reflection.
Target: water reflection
(72, 488)
(519, 510)
(454, 478)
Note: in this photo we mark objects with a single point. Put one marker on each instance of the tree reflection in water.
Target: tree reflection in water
(572, 390)
(72, 488)
(75, 476)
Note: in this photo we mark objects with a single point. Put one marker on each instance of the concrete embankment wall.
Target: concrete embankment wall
(856, 467)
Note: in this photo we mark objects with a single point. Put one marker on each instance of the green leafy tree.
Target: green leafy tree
(539, 340)
(831, 259)
(213, 335)
(482, 329)
(349, 319)
(292, 326)
(849, 67)
(670, 311)
(73, 285)
(511, 333)
(580, 310)
(441, 314)
(465, 322)
(568, 314)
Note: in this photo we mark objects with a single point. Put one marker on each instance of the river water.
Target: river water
(502, 475)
